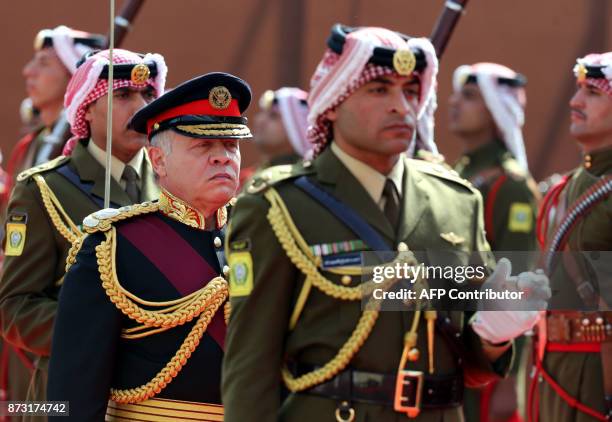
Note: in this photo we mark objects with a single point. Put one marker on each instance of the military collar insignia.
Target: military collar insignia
(597, 162)
(181, 211)
(452, 238)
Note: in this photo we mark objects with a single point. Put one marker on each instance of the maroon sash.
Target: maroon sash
(184, 267)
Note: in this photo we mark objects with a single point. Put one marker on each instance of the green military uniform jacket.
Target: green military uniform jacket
(510, 205)
(265, 285)
(31, 279)
(509, 194)
(579, 374)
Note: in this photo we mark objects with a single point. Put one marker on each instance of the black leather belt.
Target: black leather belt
(419, 389)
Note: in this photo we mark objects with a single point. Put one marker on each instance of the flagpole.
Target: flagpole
(109, 109)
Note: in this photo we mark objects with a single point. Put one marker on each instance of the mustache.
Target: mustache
(407, 120)
(580, 112)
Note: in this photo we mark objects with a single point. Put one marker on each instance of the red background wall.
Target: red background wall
(271, 43)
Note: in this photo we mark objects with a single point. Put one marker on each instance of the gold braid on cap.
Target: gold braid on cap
(301, 256)
(216, 129)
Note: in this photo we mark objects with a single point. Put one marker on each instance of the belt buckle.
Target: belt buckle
(400, 404)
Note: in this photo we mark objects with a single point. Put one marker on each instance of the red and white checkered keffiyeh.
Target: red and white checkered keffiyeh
(506, 103)
(338, 76)
(294, 113)
(85, 87)
(605, 60)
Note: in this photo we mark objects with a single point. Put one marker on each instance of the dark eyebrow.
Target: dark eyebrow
(593, 88)
(122, 90)
(382, 80)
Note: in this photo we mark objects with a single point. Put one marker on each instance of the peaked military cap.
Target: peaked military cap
(209, 106)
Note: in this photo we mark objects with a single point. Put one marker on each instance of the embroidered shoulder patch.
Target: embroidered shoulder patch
(15, 233)
(520, 218)
(241, 273)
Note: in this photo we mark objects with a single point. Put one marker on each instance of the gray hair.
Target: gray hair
(163, 140)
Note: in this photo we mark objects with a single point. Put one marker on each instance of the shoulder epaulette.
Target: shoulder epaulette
(430, 157)
(439, 170)
(273, 175)
(102, 220)
(49, 165)
(513, 169)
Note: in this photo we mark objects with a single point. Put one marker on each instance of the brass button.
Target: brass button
(599, 321)
(587, 161)
(217, 242)
(226, 270)
(346, 280)
(586, 322)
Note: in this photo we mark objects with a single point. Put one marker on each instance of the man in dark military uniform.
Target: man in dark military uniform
(487, 113)
(56, 52)
(573, 375)
(50, 201)
(142, 306)
(295, 289)
(279, 127)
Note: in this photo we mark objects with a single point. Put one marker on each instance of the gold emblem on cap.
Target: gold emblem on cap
(581, 72)
(266, 100)
(220, 97)
(40, 39)
(404, 61)
(140, 73)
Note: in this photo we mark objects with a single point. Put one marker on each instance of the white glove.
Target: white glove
(511, 318)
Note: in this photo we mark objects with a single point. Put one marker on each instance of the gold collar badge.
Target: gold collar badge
(181, 211)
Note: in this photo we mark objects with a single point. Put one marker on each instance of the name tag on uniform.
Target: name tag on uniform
(341, 260)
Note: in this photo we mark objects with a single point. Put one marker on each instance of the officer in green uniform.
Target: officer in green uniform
(295, 288)
(487, 113)
(50, 201)
(56, 52)
(573, 368)
(46, 76)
